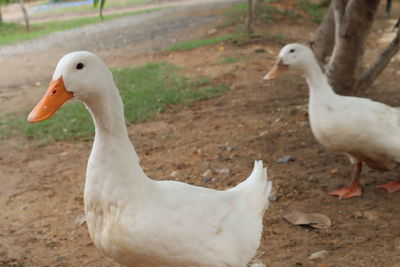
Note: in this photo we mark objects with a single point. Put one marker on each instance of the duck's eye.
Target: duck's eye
(80, 66)
(291, 50)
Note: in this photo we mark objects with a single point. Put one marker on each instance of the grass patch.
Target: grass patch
(315, 10)
(15, 32)
(188, 45)
(146, 91)
(235, 14)
(229, 60)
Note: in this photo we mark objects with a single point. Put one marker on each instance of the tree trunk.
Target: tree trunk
(250, 14)
(380, 64)
(1, 17)
(26, 18)
(343, 35)
(353, 22)
(323, 42)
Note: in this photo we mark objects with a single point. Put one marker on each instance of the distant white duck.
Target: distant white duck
(366, 131)
(141, 222)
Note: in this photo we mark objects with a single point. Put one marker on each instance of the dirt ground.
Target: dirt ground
(41, 193)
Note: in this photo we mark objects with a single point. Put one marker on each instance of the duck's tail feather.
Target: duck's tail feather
(256, 188)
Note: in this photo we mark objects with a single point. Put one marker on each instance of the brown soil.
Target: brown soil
(41, 193)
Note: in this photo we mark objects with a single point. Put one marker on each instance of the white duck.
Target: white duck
(141, 222)
(366, 131)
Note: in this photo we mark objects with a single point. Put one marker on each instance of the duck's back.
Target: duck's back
(365, 129)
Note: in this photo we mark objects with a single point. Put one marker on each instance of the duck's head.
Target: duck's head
(291, 56)
(78, 75)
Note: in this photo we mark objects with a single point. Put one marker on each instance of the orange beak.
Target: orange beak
(277, 70)
(55, 96)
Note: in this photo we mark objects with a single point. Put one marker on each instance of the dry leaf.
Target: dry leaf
(314, 220)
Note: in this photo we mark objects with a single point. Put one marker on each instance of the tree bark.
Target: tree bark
(323, 41)
(26, 18)
(1, 17)
(380, 64)
(353, 24)
(250, 14)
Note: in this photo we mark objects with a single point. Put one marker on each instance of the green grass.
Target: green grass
(188, 45)
(235, 15)
(229, 60)
(315, 11)
(14, 32)
(146, 91)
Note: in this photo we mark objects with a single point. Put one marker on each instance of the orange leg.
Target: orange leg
(391, 187)
(355, 189)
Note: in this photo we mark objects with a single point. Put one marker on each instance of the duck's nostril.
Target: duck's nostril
(53, 92)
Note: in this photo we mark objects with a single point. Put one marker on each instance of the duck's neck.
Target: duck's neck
(108, 116)
(113, 163)
(317, 82)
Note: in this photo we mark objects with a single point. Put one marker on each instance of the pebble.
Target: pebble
(273, 198)
(369, 215)
(212, 31)
(319, 255)
(224, 159)
(260, 50)
(258, 264)
(207, 173)
(285, 159)
(263, 133)
(222, 147)
(207, 180)
(334, 171)
(224, 171)
(79, 220)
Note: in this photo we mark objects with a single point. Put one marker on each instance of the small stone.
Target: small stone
(311, 179)
(304, 123)
(182, 166)
(79, 220)
(61, 258)
(273, 198)
(233, 148)
(334, 171)
(370, 215)
(224, 171)
(222, 147)
(319, 255)
(258, 264)
(212, 31)
(224, 158)
(174, 173)
(263, 133)
(260, 50)
(38, 83)
(207, 180)
(207, 173)
(285, 159)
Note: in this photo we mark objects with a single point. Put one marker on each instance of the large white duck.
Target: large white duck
(141, 222)
(366, 131)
